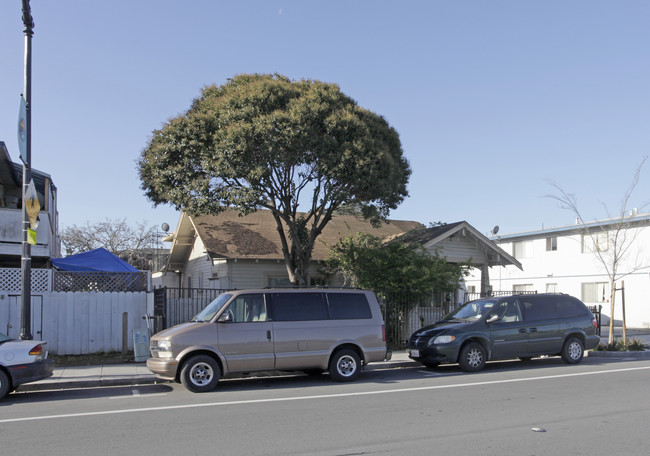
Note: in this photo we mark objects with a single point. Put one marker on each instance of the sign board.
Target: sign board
(32, 205)
(22, 130)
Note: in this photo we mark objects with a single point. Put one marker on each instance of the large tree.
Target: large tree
(301, 149)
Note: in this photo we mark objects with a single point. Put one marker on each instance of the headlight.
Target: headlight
(163, 349)
(442, 340)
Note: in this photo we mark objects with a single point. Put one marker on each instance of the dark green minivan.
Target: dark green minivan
(517, 326)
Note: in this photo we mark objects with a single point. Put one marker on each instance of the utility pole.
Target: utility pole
(26, 259)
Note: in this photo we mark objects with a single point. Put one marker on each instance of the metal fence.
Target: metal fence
(178, 305)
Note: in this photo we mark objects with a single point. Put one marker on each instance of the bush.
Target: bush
(621, 345)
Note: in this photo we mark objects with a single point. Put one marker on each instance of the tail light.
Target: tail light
(383, 332)
(37, 350)
(594, 323)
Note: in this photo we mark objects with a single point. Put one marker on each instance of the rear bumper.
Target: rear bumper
(591, 342)
(163, 368)
(31, 372)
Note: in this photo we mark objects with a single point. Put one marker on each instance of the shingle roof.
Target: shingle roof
(229, 235)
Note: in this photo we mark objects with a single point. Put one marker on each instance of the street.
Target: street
(543, 407)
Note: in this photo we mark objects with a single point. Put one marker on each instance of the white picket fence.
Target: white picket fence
(75, 323)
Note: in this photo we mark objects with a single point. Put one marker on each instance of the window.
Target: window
(551, 244)
(522, 249)
(299, 306)
(551, 287)
(507, 311)
(348, 306)
(595, 242)
(596, 292)
(279, 282)
(247, 308)
(538, 308)
(522, 288)
(567, 306)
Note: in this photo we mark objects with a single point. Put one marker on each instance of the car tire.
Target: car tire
(5, 384)
(472, 357)
(200, 374)
(345, 365)
(573, 350)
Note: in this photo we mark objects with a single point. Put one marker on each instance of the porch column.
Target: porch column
(485, 280)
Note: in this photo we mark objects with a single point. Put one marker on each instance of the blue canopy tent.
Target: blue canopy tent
(100, 260)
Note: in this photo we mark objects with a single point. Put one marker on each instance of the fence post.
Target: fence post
(125, 334)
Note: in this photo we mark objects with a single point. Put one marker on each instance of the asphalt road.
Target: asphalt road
(544, 407)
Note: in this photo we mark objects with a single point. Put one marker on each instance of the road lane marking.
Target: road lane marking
(315, 397)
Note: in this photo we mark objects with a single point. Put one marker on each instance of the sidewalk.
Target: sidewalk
(132, 374)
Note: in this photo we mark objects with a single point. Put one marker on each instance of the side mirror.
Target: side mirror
(225, 318)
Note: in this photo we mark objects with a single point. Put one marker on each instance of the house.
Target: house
(229, 251)
(460, 242)
(48, 244)
(562, 260)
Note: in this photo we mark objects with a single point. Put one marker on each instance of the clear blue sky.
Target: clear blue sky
(492, 99)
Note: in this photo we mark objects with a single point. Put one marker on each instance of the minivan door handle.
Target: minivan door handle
(268, 335)
(522, 330)
(533, 330)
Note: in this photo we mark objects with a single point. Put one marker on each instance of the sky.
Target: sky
(495, 101)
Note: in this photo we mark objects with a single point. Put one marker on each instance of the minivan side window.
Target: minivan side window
(299, 306)
(247, 308)
(348, 306)
(538, 308)
(567, 306)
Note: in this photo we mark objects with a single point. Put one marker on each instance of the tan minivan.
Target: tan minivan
(310, 330)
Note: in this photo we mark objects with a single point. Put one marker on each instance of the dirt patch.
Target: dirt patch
(93, 359)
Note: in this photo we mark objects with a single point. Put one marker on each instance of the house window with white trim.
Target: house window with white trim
(522, 249)
(551, 244)
(523, 288)
(595, 292)
(551, 287)
(595, 242)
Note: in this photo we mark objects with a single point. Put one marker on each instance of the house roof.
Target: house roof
(434, 236)
(255, 236)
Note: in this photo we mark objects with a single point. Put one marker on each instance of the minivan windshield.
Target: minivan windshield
(211, 309)
(472, 310)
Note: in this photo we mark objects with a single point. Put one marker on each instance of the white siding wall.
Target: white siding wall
(567, 268)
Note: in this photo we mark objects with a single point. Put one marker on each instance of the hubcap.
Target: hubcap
(574, 350)
(201, 374)
(347, 366)
(474, 357)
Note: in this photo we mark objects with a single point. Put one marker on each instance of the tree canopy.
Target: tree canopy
(366, 261)
(301, 149)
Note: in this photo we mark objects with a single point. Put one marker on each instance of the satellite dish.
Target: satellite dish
(165, 227)
(495, 230)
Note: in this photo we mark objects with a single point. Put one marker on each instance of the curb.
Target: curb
(619, 354)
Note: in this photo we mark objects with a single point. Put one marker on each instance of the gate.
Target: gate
(173, 306)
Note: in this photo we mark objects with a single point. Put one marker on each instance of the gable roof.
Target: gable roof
(431, 237)
(255, 236)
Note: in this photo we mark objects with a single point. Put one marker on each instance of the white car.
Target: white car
(22, 361)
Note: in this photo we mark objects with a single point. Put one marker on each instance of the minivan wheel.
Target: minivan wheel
(573, 350)
(345, 365)
(5, 384)
(200, 374)
(472, 357)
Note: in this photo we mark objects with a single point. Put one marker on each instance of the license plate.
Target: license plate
(415, 353)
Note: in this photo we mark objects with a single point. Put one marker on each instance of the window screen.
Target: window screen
(348, 306)
(299, 306)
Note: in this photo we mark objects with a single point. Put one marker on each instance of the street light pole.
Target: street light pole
(26, 260)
